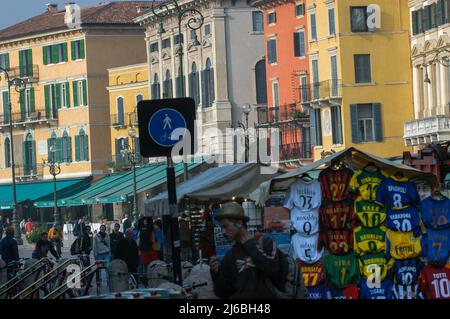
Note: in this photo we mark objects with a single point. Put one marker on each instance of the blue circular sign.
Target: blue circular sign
(162, 125)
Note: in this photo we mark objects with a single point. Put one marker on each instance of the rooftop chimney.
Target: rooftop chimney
(52, 7)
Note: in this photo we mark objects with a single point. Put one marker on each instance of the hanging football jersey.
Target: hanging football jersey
(349, 292)
(338, 241)
(397, 193)
(341, 270)
(434, 282)
(403, 220)
(381, 291)
(369, 240)
(370, 214)
(404, 292)
(436, 245)
(375, 265)
(312, 273)
(306, 248)
(305, 222)
(401, 245)
(435, 213)
(367, 183)
(337, 215)
(406, 271)
(335, 184)
(304, 195)
(319, 292)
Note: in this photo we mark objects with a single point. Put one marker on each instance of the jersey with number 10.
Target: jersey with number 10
(434, 282)
(367, 183)
(397, 193)
(371, 214)
(435, 213)
(335, 184)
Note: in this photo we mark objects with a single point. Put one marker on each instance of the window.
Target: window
(276, 100)
(261, 82)
(207, 29)
(316, 127)
(358, 16)
(272, 51)
(208, 95)
(54, 54)
(7, 153)
(441, 12)
(362, 68)
(120, 119)
(258, 23)
(81, 147)
(433, 15)
(179, 91)
(4, 61)
(299, 44)
(121, 154)
(51, 109)
(65, 94)
(331, 22)
(52, 148)
(29, 156)
(165, 43)
(176, 39)
(27, 102)
(80, 93)
(366, 122)
(313, 26)
(336, 125)
(139, 98)
(299, 9)
(316, 84)
(26, 63)
(304, 89)
(78, 50)
(154, 47)
(334, 76)
(194, 89)
(167, 86)
(66, 148)
(271, 18)
(156, 88)
(5, 104)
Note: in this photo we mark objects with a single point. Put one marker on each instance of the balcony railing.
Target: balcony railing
(282, 114)
(124, 120)
(29, 171)
(295, 151)
(30, 72)
(320, 90)
(37, 116)
(427, 130)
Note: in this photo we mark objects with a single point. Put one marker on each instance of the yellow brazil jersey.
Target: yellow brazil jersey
(402, 245)
(367, 182)
(373, 264)
(369, 240)
(370, 213)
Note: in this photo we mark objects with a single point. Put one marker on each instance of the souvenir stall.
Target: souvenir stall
(361, 230)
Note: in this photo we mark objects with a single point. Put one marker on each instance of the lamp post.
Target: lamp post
(246, 109)
(18, 84)
(445, 61)
(55, 170)
(130, 154)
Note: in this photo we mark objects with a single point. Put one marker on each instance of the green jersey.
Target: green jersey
(369, 240)
(369, 213)
(341, 270)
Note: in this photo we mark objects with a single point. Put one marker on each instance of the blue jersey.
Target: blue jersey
(435, 213)
(406, 292)
(318, 292)
(407, 271)
(403, 220)
(385, 291)
(397, 193)
(436, 246)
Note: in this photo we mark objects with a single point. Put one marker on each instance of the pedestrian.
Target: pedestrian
(79, 228)
(22, 225)
(114, 239)
(43, 246)
(8, 247)
(2, 226)
(126, 222)
(29, 226)
(247, 270)
(148, 246)
(56, 237)
(85, 246)
(102, 247)
(159, 237)
(7, 222)
(128, 251)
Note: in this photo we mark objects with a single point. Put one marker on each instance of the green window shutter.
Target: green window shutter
(85, 101)
(414, 22)
(75, 93)
(30, 62)
(49, 144)
(58, 95)
(69, 150)
(7, 61)
(5, 107)
(25, 157)
(32, 100)
(378, 122)
(55, 53)
(86, 148)
(22, 105)
(33, 156)
(44, 54)
(77, 148)
(72, 50)
(21, 71)
(296, 44)
(67, 94)
(59, 150)
(65, 52)
(82, 50)
(354, 121)
(47, 101)
(313, 128)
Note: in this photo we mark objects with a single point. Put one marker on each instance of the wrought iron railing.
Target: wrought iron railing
(320, 90)
(29, 117)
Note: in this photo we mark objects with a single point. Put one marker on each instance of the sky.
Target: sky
(15, 11)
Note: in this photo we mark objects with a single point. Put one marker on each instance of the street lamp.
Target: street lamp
(246, 109)
(445, 61)
(133, 159)
(18, 84)
(55, 170)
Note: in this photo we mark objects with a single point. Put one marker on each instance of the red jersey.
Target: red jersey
(312, 273)
(338, 241)
(434, 282)
(335, 184)
(337, 215)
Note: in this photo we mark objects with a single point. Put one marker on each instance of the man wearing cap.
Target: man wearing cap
(248, 269)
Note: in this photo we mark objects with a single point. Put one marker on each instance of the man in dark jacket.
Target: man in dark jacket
(43, 246)
(247, 270)
(128, 251)
(114, 239)
(8, 247)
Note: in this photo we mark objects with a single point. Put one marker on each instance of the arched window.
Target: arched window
(208, 95)
(120, 119)
(52, 148)
(261, 82)
(81, 147)
(167, 86)
(194, 91)
(121, 145)
(66, 148)
(156, 89)
(29, 155)
(139, 98)
(7, 153)
(179, 91)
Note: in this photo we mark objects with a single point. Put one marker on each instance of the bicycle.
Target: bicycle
(15, 268)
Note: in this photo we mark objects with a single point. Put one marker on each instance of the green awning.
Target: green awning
(118, 187)
(47, 201)
(38, 191)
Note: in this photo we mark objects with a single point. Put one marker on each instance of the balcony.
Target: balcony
(28, 72)
(295, 151)
(283, 114)
(428, 130)
(123, 120)
(26, 119)
(27, 172)
(324, 93)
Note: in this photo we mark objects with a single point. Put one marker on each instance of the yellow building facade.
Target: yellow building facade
(361, 85)
(127, 86)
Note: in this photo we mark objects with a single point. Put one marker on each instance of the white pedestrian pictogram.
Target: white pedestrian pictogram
(167, 122)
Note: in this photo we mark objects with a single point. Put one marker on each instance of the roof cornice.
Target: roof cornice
(268, 4)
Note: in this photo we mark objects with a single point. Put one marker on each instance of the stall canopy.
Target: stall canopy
(40, 191)
(357, 160)
(219, 183)
(118, 187)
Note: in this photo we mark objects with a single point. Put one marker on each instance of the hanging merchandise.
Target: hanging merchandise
(303, 195)
(369, 240)
(312, 273)
(397, 192)
(404, 292)
(341, 270)
(335, 183)
(318, 292)
(437, 246)
(338, 241)
(305, 223)
(403, 220)
(435, 212)
(349, 292)
(370, 214)
(337, 215)
(400, 245)
(434, 282)
(367, 181)
(373, 264)
(306, 248)
(372, 291)
(406, 271)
